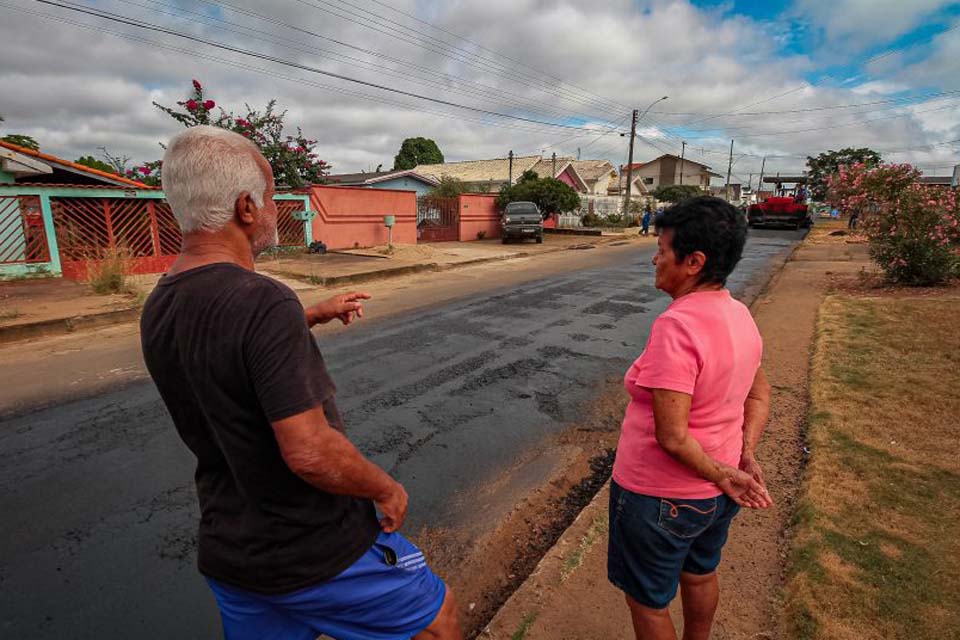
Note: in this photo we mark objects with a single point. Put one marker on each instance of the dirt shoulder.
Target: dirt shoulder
(568, 596)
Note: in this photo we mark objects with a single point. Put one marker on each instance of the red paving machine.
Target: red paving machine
(786, 208)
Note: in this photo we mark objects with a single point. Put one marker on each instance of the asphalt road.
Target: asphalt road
(99, 510)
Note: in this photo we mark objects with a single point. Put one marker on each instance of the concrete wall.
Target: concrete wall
(353, 216)
(478, 212)
(404, 183)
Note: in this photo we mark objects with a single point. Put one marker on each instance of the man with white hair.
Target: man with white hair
(289, 540)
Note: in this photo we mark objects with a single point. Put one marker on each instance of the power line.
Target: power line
(279, 40)
(270, 72)
(113, 17)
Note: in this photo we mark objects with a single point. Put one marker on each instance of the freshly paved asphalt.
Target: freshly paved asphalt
(99, 510)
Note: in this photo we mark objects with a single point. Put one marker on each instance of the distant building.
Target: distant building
(490, 175)
(409, 180)
(20, 165)
(669, 169)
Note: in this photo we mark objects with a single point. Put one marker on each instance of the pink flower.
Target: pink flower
(191, 105)
(197, 86)
(145, 170)
(209, 104)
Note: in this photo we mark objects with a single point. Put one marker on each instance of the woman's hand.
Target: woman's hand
(744, 489)
(749, 465)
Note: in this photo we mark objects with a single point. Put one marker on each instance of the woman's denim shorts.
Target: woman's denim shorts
(652, 540)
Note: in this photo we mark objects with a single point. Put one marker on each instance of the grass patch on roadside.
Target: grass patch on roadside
(597, 531)
(524, 626)
(10, 314)
(876, 553)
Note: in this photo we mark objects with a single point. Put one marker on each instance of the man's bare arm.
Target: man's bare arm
(323, 457)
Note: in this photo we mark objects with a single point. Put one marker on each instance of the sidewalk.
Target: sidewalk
(568, 597)
(37, 307)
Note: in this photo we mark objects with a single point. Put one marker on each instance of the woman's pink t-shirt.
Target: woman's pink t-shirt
(707, 345)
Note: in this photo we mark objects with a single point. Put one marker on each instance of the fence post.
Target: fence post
(308, 221)
(109, 220)
(154, 230)
(50, 231)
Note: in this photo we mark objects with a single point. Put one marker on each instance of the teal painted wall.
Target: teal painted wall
(6, 178)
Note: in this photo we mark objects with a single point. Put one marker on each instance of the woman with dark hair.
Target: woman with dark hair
(699, 401)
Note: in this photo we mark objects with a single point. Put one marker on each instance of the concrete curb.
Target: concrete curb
(59, 326)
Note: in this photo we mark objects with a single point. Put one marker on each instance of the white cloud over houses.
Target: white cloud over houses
(76, 90)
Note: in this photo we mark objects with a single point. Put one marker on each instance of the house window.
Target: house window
(648, 181)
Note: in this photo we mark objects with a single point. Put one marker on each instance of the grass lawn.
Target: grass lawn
(877, 534)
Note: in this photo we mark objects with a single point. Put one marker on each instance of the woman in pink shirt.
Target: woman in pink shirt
(698, 403)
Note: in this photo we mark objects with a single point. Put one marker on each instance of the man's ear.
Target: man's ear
(244, 209)
(696, 261)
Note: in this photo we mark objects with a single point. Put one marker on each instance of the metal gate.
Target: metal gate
(290, 229)
(23, 239)
(438, 219)
(90, 229)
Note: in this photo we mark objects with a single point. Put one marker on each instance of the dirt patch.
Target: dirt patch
(485, 572)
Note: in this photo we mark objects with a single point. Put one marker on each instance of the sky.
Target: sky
(783, 79)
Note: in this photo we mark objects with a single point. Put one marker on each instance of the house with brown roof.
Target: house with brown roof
(490, 175)
(20, 165)
(599, 175)
(408, 180)
(669, 169)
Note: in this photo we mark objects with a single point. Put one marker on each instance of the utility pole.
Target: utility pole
(683, 153)
(760, 183)
(749, 186)
(633, 134)
(578, 153)
(510, 168)
(729, 169)
(554, 174)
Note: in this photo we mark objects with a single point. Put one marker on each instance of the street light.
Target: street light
(633, 134)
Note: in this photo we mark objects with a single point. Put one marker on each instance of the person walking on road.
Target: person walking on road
(699, 401)
(645, 221)
(290, 540)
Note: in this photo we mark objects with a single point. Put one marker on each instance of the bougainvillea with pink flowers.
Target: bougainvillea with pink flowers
(913, 229)
(293, 158)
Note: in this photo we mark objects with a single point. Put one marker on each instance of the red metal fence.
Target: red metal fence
(142, 232)
(23, 239)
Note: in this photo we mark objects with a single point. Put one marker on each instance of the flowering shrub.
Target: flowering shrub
(913, 230)
(293, 158)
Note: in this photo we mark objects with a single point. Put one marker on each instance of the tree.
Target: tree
(449, 187)
(676, 192)
(292, 158)
(416, 151)
(826, 165)
(93, 163)
(22, 141)
(549, 194)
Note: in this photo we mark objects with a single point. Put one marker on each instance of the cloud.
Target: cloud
(852, 25)
(567, 62)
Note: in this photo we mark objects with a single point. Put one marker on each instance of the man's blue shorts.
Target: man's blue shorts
(388, 594)
(652, 540)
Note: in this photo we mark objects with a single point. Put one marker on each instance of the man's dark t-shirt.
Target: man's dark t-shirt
(230, 352)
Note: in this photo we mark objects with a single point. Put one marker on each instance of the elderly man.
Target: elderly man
(290, 541)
